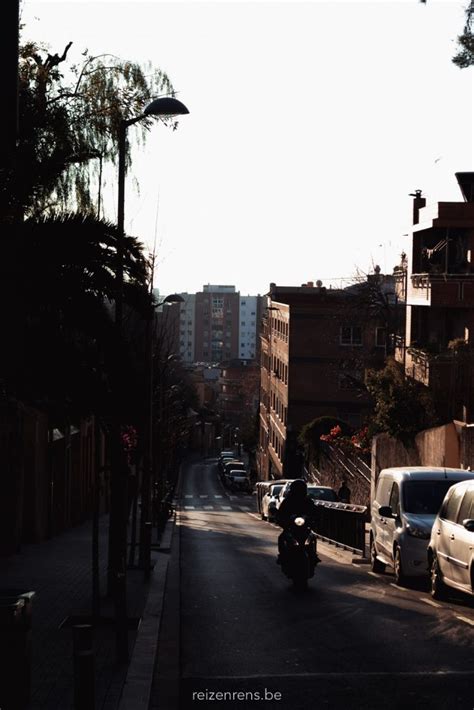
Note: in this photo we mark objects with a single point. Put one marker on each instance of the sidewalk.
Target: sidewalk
(59, 571)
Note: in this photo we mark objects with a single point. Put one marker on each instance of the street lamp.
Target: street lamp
(164, 106)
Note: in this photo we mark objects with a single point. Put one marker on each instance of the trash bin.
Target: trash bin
(15, 648)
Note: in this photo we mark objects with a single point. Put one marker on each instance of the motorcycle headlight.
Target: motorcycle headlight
(418, 532)
(299, 521)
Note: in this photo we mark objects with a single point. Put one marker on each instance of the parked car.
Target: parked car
(262, 488)
(269, 501)
(237, 479)
(451, 547)
(232, 465)
(225, 459)
(323, 493)
(404, 509)
(283, 493)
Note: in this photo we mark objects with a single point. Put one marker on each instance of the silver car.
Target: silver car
(451, 547)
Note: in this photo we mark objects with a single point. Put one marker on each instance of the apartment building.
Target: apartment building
(316, 344)
(436, 282)
(249, 313)
(214, 325)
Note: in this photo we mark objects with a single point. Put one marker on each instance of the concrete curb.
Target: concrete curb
(136, 693)
(137, 689)
(165, 691)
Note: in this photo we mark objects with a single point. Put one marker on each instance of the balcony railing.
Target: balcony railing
(400, 277)
(429, 368)
(436, 288)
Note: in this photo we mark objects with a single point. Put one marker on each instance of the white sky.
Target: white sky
(309, 125)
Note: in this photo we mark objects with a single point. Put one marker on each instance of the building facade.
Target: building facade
(248, 331)
(316, 344)
(214, 325)
(437, 285)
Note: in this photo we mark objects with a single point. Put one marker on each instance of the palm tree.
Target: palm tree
(57, 286)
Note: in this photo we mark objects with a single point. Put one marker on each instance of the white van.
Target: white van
(404, 509)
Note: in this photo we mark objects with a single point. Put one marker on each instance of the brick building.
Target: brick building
(316, 344)
(238, 390)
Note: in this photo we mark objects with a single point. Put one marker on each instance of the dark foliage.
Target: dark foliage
(57, 284)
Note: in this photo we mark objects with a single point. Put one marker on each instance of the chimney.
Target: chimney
(418, 203)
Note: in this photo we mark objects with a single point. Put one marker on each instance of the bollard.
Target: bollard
(84, 681)
(147, 557)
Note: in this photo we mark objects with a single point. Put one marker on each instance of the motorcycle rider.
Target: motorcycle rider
(297, 502)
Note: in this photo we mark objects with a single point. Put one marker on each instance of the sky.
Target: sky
(310, 123)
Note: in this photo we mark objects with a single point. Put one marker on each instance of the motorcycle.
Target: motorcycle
(299, 556)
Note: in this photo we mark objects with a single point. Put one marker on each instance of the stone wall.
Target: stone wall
(440, 446)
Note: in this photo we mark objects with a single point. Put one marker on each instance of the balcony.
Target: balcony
(400, 277)
(438, 289)
(434, 370)
(399, 348)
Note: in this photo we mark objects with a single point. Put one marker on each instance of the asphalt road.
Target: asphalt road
(353, 640)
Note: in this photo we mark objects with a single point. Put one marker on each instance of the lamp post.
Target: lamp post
(145, 518)
(165, 106)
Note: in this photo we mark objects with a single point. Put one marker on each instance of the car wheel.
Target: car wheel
(375, 564)
(438, 588)
(397, 566)
(263, 516)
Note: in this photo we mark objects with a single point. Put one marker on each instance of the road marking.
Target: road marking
(254, 515)
(203, 496)
(226, 507)
(187, 496)
(430, 602)
(208, 507)
(217, 496)
(466, 620)
(244, 507)
(374, 574)
(189, 507)
(395, 586)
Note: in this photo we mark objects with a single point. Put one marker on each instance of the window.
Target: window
(466, 511)
(425, 498)
(380, 337)
(350, 335)
(350, 382)
(451, 510)
(394, 502)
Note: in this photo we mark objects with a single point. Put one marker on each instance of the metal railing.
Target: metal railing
(342, 524)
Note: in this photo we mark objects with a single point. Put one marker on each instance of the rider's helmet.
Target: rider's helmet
(298, 489)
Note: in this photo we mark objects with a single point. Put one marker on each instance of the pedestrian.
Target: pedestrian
(344, 492)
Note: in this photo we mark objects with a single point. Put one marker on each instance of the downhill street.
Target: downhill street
(353, 640)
